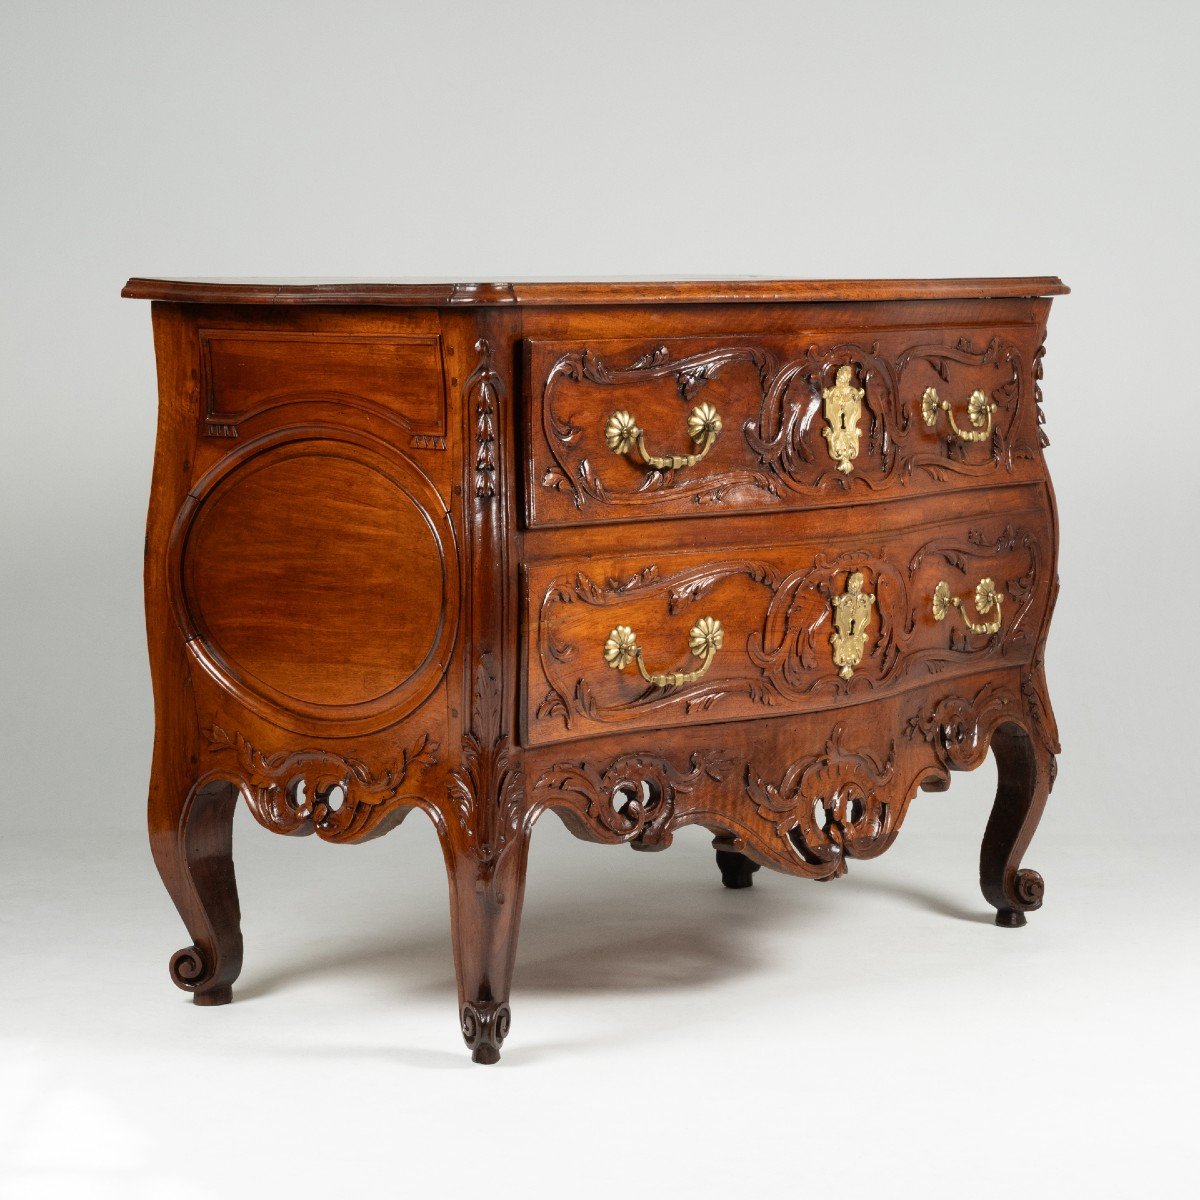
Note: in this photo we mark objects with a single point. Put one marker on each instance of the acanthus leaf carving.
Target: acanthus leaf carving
(782, 437)
(487, 789)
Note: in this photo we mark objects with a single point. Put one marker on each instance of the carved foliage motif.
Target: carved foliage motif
(789, 433)
(794, 652)
(970, 557)
(307, 791)
(789, 657)
(487, 790)
(485, 389)
(1038, 375)
(957, 727)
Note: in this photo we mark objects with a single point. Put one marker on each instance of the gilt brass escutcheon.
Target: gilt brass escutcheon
(851, 617)
(704, 640)
(843, 407)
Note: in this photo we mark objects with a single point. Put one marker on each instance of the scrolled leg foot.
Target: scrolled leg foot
(1025, 776)
(485, 1025)
(737, 871)
(192, 843)
(486, 894)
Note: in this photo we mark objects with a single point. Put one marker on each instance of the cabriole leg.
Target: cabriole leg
(486, 893)
(1026, 775)
(192, 843)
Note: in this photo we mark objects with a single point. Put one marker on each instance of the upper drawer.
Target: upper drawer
(629, 429)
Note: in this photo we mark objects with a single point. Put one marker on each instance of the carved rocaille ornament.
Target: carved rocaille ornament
(307, 791)
(763, 558)
(806, 814)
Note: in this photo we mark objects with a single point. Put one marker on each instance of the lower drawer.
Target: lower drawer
(662, 638)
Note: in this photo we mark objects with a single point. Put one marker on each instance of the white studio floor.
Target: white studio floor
(872, 1037)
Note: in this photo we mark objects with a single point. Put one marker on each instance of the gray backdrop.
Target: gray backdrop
(478, 141)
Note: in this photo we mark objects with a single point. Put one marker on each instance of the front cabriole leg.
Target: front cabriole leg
(486, 847)
(486, 894)
(1019, 726)
(1026, 774)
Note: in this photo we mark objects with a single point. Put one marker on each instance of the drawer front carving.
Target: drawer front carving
(767, 631)
(246, 373)
(627, 429)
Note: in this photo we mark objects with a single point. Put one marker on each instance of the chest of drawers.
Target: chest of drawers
(766, 557)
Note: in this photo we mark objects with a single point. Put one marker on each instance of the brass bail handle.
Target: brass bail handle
(986, 599)
(704, 640)
(624, 435)
(979, 413)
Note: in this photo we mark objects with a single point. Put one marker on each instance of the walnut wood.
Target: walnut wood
(563, 292)
(388, 540)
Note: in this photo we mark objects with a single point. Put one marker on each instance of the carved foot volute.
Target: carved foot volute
(485, 1025)
(1029, 889)
(191, 971)
(737, 871)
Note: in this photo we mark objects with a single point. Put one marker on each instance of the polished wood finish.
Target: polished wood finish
(396, 560)
(421, 292)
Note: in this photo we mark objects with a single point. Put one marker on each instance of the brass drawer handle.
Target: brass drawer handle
(623, 434)
(979, 413)
(704, 640)
(986, 598)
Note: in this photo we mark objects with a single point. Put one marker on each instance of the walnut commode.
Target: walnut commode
(766, 557)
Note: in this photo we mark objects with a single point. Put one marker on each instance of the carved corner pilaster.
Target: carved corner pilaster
(487, 789)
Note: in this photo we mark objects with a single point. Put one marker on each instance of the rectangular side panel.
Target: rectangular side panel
(246, 372)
